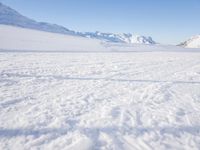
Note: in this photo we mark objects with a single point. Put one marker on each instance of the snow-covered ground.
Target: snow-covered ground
(136, 101)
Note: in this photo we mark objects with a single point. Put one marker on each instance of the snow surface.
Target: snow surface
(136, 101)
(193, 42)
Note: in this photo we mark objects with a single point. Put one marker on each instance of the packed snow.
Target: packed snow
(135, 100)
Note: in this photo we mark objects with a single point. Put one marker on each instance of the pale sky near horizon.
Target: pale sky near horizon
(166, 21)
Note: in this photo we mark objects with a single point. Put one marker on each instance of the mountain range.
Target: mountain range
(9, 16)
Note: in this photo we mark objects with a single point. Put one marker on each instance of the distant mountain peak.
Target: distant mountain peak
(9, 16)
(122, 38)
(193, 42)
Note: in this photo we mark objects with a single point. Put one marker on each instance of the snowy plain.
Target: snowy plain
(147, 100)
(73, 93)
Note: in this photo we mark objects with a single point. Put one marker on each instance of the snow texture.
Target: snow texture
(82, 101)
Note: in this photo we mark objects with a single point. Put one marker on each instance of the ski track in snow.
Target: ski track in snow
(136, 101)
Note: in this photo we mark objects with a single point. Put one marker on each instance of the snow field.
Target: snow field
(139, 101)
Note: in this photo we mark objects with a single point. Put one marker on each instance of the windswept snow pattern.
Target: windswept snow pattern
(136, 101)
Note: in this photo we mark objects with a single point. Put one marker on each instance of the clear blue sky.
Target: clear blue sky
(167, 21)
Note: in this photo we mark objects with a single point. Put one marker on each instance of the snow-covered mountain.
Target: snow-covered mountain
(8, 16)
(122, 38)
(193, 42)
